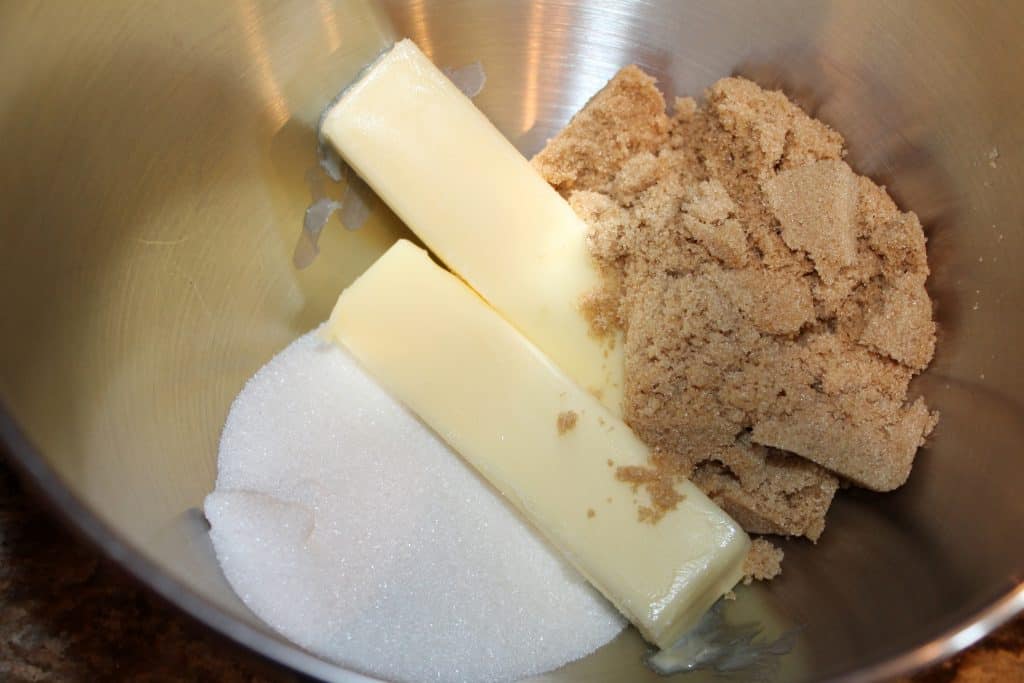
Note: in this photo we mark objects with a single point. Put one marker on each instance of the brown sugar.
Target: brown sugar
(768, 491)
(816, 206)
(763, 563)
(625, 118)
(566, 421)
(772, 300)
(659, 482)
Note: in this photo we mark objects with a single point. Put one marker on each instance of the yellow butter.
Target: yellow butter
(476, 202)
(496, 399)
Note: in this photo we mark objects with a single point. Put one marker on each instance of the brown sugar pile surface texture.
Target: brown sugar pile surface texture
(773, 301)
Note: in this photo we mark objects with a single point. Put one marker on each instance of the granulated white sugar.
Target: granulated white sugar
(353, 530)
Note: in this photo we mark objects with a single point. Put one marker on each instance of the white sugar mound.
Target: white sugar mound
(349, 527)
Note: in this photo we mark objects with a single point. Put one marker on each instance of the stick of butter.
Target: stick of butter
(549, 446)
(476, 202)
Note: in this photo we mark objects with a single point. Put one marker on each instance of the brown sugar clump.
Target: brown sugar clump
(566, 421)
(768, 491)
(763, 563)
(772, 300)
(816, 206)
(625, 118)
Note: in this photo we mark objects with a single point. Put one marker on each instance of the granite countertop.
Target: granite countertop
(66, 614)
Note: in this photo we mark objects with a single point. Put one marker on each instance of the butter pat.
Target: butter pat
(541, 440)
(476, 202)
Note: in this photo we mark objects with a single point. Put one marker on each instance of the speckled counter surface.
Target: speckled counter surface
(68, 615)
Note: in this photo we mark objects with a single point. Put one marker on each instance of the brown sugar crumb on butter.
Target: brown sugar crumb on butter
(566, 421)
(659, 483)
(772, 301)
(591, 513)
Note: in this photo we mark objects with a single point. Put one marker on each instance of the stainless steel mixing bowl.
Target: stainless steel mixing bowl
(154, 177)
